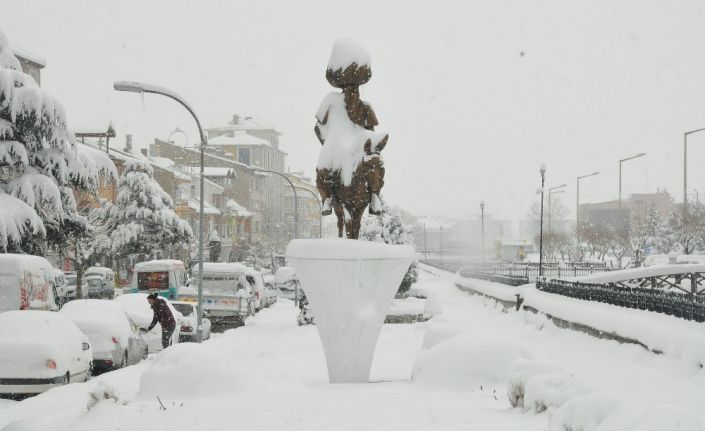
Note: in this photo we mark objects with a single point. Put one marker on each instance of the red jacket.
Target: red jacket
(162, 314)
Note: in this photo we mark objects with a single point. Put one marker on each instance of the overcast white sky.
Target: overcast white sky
(474, 94)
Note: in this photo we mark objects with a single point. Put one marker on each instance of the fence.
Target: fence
(685, 306)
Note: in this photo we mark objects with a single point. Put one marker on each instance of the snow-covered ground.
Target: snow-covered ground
(451, 372)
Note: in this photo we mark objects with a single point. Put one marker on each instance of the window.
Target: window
(243, 155)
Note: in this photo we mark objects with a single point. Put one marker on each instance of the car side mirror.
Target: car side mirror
(86, 346)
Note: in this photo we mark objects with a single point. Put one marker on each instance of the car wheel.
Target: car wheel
(124, 361)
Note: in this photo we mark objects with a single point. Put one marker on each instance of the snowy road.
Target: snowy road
(280, 378)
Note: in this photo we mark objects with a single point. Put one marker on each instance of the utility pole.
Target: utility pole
(543, 181)
(482, 215)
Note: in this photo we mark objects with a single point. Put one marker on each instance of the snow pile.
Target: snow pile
(190, 370)
(346, 52)
(464, 362)
(552, 390)
(520, 372)
(597, 412)
(25, 425)
(7, 57)
(678, 338)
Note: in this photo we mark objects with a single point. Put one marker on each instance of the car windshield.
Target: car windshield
(185, 309)
(71, 281)
(94, 282)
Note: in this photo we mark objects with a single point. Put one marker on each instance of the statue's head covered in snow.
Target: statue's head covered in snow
(350, 170)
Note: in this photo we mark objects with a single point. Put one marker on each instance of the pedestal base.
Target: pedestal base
(349, 285)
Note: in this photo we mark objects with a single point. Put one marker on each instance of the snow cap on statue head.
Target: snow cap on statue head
(349, 64)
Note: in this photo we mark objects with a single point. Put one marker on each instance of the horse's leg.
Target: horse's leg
(355, 218)
(340, 215)
(323, 183)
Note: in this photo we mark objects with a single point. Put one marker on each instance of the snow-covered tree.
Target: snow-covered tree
(677, 238)
(390, 229)
(143, 220)
(40, 165)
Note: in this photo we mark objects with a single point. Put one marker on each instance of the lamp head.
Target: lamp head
(131, 86)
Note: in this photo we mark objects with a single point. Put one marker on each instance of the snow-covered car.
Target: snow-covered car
(286, 282)
(139, 310)
(26, 283)
(115, 338)
(189, 326)
(40, 350)
(270, 292)
(71, 285)
(254, 279)
(97, 287)
(99, 282)
(228, 295)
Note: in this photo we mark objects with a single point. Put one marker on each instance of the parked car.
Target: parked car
(270, 292)
(40, 350)
(165, 276)
(99, 282)
(189, 324)
(26, 283)
(59, 280)
(115, 338)
(228, 297)
(71, 285)
(286, 282)
(137, 307)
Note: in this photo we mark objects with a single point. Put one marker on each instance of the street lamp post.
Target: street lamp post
(577, 202)
(543, 181)
(296, 199)
(620, 174)
(138, 87)
(553, 191)
(482, 212)
(685, 178)
(320, 207)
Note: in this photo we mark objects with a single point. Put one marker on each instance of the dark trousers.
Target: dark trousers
(166, 336)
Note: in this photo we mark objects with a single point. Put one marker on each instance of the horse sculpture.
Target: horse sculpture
(350, 170)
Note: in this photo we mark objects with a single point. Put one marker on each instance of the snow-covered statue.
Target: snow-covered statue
(350, 171)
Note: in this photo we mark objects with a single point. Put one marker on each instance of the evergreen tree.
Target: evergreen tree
(390, 229)
(143, 220)
(40, 165)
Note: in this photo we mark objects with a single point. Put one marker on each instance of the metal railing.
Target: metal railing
(685, 306)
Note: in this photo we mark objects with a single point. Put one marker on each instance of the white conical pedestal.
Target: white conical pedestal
(349, 285)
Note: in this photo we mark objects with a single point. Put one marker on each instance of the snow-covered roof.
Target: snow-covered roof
(211, 155)
(243, 123)
(162, 162)
(159, 264)
(210, 171)
(239, 138)
(237, 208)
(28, 55)
(194, 204)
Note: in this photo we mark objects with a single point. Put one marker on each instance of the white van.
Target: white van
(165, 276)
(26, 283)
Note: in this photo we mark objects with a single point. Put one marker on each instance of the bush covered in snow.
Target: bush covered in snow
(40, 165)
(389, 228)
(465, 362)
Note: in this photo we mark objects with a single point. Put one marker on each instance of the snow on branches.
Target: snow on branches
(143, 217)
(40, 164)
